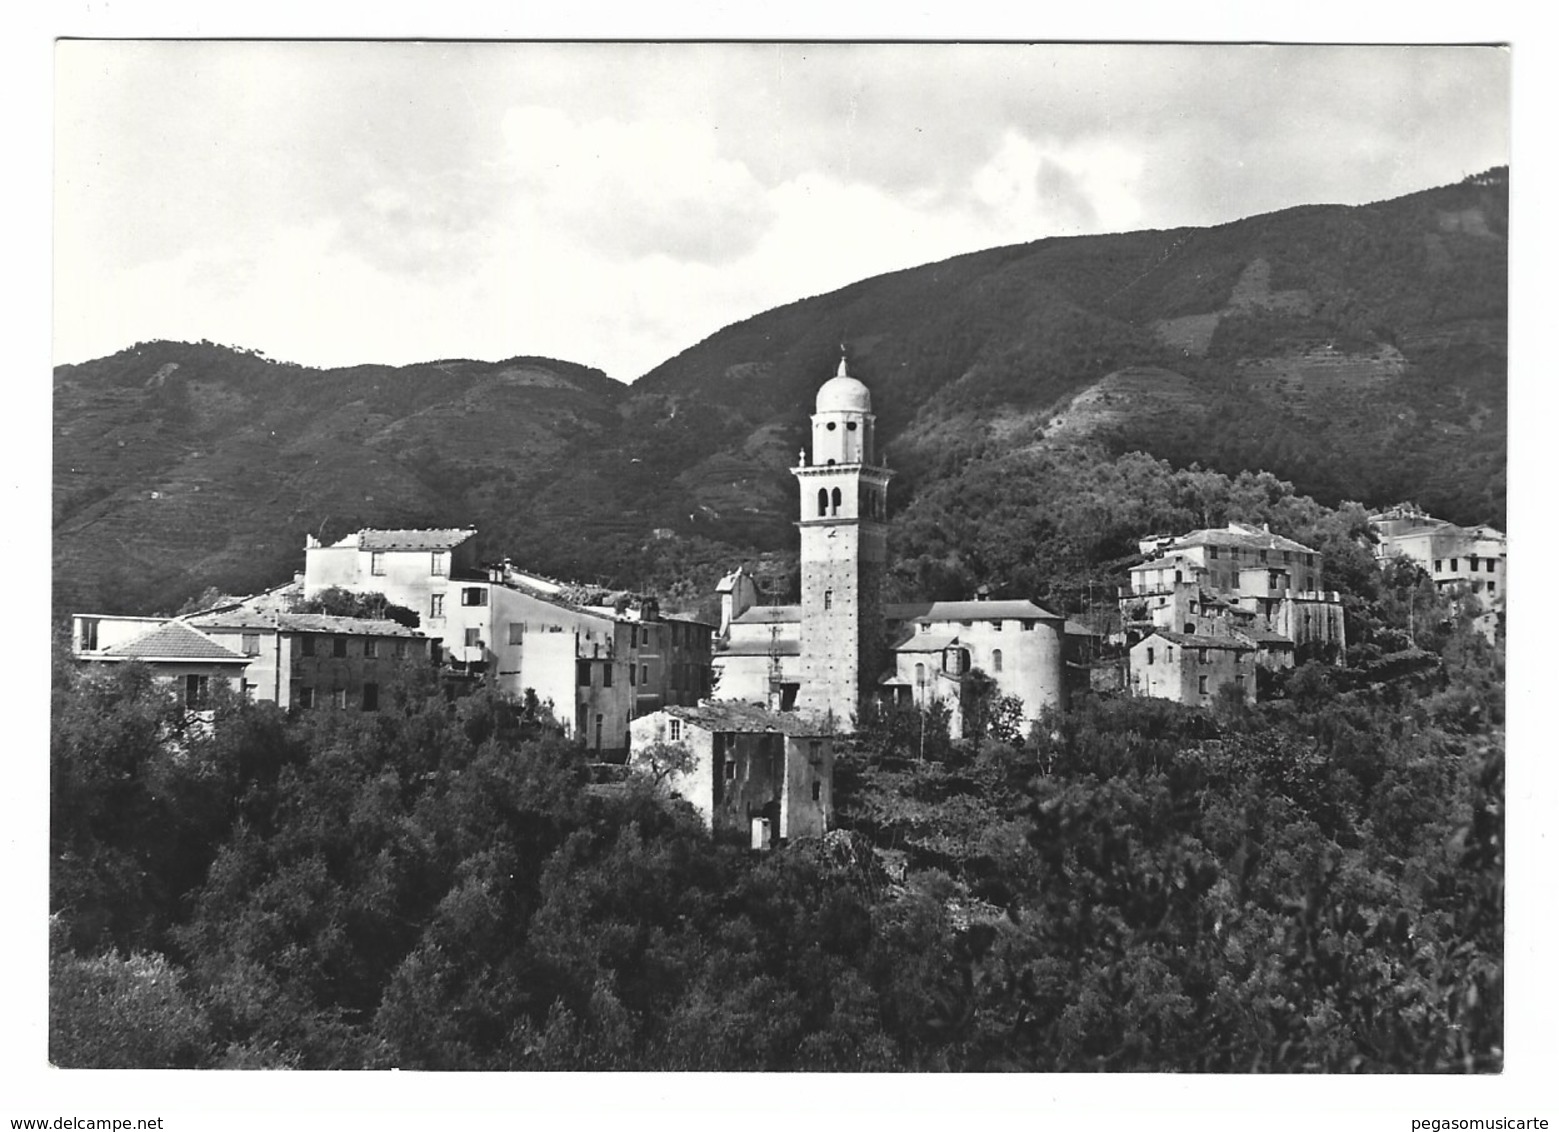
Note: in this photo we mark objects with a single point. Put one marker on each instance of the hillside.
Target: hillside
(179, 465)
(1359, 352)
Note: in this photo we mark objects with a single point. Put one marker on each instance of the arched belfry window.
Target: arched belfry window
(822, 501)
(837, 500)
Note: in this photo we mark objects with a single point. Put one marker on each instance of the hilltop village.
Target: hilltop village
(755, 702)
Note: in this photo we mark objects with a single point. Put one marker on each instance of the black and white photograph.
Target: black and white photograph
(857, 559)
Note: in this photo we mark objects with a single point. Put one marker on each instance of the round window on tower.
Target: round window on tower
(832, 426)
(850, 426)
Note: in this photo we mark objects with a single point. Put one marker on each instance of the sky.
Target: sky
(333, 203)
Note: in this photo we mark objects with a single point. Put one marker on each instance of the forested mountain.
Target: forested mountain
(1358, 352)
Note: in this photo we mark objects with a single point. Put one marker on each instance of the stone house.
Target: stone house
(1231, 580)
(599, 666)
(1192, 668)
(192, 662)
(766, 775)
(310, 660)
(1465, 560)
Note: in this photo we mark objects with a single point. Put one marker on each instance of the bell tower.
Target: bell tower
(844, 508)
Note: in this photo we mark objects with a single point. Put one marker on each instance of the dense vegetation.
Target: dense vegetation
(1315, 883)
(1359, 353)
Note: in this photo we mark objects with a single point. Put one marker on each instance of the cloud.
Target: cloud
(637, 188)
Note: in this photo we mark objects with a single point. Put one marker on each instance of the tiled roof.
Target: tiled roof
(729, 715)
(1240, 536)
(970, 611)
(784, 646)
(442, 539)
(931, 641)
(302, 623)
(1195, 640)
(173, 641)
(768, 615)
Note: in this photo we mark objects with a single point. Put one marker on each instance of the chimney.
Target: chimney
(983, 594)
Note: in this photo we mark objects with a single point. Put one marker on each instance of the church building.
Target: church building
(842, 645)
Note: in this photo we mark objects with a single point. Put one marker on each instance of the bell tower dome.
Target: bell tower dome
(844, 494)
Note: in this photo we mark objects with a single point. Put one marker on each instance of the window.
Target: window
(1262, 556)
(676, 731)
(473, 638)
(249, 690)
(817, 790)
(1239, 681)
(1453, 566)
(1472, 563)
(850, 427)
(606, 675)
(995, 626)
(644, 673)
(251, 644)
(920, 673)
(89, 633)
(1212, 552)
(1201, 655)
(197, 690)
(996, 660)
(598, 732)
(633, 636)
(473, 595)
(1150, 656)
(338, 646)
(400, 650)
(439, 565)
(582, 673)
(1028, 625)
(516, 632)
(376, 562)
(828, 599)
(370, 647)
(1169, 655)
(814, 751)
(730, 770)
(834, 500)
(339, 697)
(1201, 685)
(822, 501)
(370, 697)
(435, 605)
(633, 675)
(306, 646)
(304, 696)
(1437, 565)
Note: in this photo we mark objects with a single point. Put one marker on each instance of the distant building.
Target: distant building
(841, 646)
(1467, 561)
(193, 663)
(599, 665)
(767, 775)
(1192, 668)
(1208, 607)
(310, 660)
(290, 659)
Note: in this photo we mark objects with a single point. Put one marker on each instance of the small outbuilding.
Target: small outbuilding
(767, 774)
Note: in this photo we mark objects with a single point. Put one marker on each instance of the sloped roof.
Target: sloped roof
(784, 646)
(1023, 610)
(730, 715)
(302, 623)
(173, 641)
(768, 615)
(1235, 535)
(440, 539)
(932, 641)
(1194, 640)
